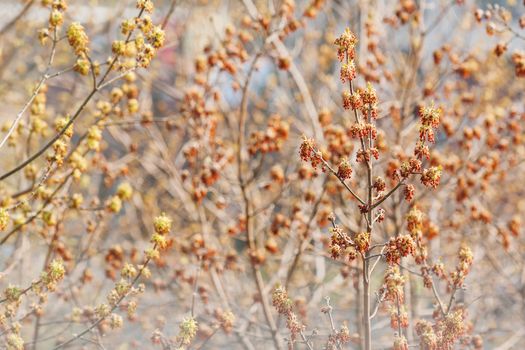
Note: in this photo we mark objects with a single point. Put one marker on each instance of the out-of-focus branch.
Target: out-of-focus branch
(21, 14)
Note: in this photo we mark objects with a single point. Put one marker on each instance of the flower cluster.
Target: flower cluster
(398, 247)
(339, 337)
(398, 317)
(187, 330)
(140, 50)
(284, 306)
(54, 274)
(499, 22)
(56, 17)
(362, 241)
(431, 176)
(427, 337)
(225, 319)
(450, 328)
(309, 153)
(393, 285)
(465, 261)
(124, 193)
(341, 245)
(344, 170)
(429, 118)
(272, 139)
(346, 45)
(162, 226)
(400, 343)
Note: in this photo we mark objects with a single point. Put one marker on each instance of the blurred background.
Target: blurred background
(270, 66)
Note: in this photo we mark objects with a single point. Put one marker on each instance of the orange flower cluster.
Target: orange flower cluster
(398, 247)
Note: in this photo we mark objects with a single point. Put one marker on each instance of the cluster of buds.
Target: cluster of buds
(369, 96)
(79, 164)
(348, 71)
(499, 22)
(514, 225)
(352, 100)
(362, 241)
(400, 343)
(450, 328)
(409, 192)
(346, 45)
(12, 294)
(60, 146)
(339, 143)
(313, 8)
(362, 130)
(4, 218)
(398, 317)
(427, 336)
(421, 150)
(187, 330)
(12, 302)
(79, 41)
(143, 47)
(53, 275)
(272, 139)
(59, 151)
(414, 220)
(406, 11)
(364, 100)
(518, 57)
(393, 285)
(309, 153)
(364, 156)
(94, 137)
(344, 170)
(38, 113)
(438, 269)
(162, 227)
(77, 38)
(284, 306)
(465, 261)
(341, 245)
(429, 118)
(56, 17)
(130, 273)
(361, 99)
(379, 185)
(124, 193)
(416, 224)
(341, 336)
(399, 247)
(146, 5)
(14, 341)
(407, 168)
(225, 320)
(431, 176)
